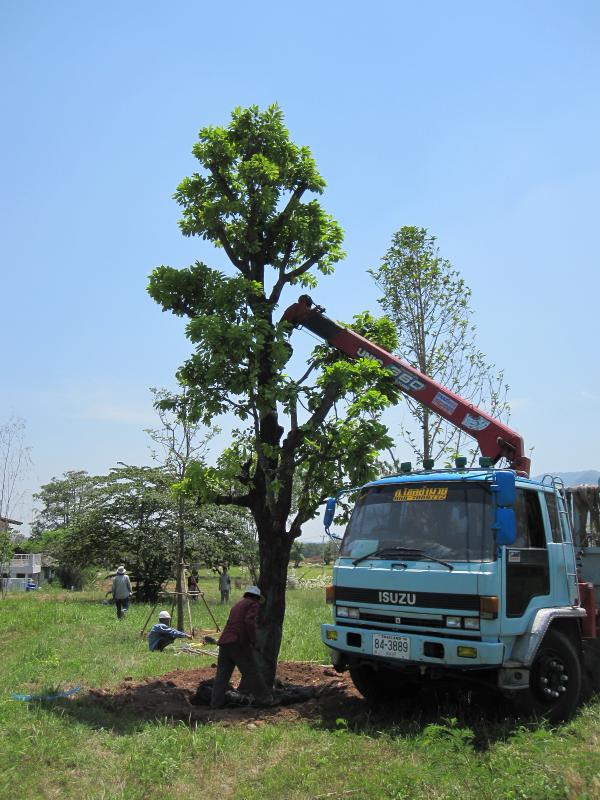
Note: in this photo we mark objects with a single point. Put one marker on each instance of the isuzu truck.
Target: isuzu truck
(465, 573)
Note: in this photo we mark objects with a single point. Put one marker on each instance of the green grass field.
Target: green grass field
(51, 640)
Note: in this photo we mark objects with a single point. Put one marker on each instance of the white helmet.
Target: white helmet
(164, 615)
(253, 590)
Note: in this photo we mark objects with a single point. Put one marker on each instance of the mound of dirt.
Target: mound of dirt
(170, 696)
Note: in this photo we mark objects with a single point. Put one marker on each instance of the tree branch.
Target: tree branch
(243, 268)
(243, 501)
(280, 222)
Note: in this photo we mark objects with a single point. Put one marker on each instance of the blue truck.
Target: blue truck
(464, 573)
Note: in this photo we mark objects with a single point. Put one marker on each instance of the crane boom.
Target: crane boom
(495, 439)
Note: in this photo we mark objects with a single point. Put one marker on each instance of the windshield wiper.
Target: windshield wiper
(379, 552)
(405, 551)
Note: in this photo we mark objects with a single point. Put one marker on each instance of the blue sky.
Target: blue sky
(479, 121)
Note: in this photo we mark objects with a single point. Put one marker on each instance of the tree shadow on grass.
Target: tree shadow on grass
(439, 711)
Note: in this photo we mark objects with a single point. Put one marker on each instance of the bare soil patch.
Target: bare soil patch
(334, 702)
(169, 697)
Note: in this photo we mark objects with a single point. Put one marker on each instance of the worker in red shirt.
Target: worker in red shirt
(236, 649)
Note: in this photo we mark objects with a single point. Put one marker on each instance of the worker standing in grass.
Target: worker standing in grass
(236, 649)
(224, 585)
(121, 591)
(193, 583)
(162, 634)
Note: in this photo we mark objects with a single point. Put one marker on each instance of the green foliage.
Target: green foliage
(6, 546)
(329, 553)
(429, 304)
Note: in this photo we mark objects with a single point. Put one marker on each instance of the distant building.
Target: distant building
(23, 568)
(5, 523)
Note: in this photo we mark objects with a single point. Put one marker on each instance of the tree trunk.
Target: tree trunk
(180, 583)
(275, 549)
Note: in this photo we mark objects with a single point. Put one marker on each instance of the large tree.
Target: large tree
(429, 303)
(254, 197)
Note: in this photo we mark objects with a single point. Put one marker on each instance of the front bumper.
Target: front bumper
(358, 642)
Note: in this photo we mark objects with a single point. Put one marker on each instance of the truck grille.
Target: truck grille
(400, 620)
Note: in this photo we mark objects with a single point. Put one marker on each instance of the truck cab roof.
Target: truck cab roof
(448, 475)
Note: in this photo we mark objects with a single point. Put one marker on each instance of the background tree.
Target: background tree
(63, 501)
(14, 462)
(251, 198)
(296, 554)
(179, 440)
(429, 303)
(132, 516)
(329, 553)
(61, 526)
(96, 521)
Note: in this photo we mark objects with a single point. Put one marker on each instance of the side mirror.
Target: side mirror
(505, 526)
(329, 512)
(504, 489)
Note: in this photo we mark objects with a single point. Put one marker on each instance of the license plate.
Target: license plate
(391, 646)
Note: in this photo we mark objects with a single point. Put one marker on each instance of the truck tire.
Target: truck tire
(379, 686)
(555, 680)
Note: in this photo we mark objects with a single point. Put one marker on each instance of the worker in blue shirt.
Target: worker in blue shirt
(162, 634)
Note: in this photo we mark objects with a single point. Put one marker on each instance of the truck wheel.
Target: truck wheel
(555, 680)
(381, 685)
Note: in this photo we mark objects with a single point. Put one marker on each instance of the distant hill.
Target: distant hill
(576, 478)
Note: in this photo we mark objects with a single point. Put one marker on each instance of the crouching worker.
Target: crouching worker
(162, 634)
(236, 649)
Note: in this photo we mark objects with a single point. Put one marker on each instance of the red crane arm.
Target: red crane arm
(495, 439)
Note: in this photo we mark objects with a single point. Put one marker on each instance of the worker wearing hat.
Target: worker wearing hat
(162, 634)
(121, 591)
(236, 649)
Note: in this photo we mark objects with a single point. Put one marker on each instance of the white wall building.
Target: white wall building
(21, 569)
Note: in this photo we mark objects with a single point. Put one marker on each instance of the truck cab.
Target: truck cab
(465, 573)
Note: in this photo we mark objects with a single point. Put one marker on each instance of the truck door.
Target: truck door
(527, 574)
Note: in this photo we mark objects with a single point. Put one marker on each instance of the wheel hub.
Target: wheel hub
(552, 679)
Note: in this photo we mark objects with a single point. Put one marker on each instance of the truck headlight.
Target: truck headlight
(453, 622)
(471, 623)
(342, 611)
(354, 613)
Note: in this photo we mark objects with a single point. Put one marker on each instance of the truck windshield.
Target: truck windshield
(451, 521)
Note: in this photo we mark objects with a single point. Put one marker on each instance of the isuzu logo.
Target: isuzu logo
(398, 598)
